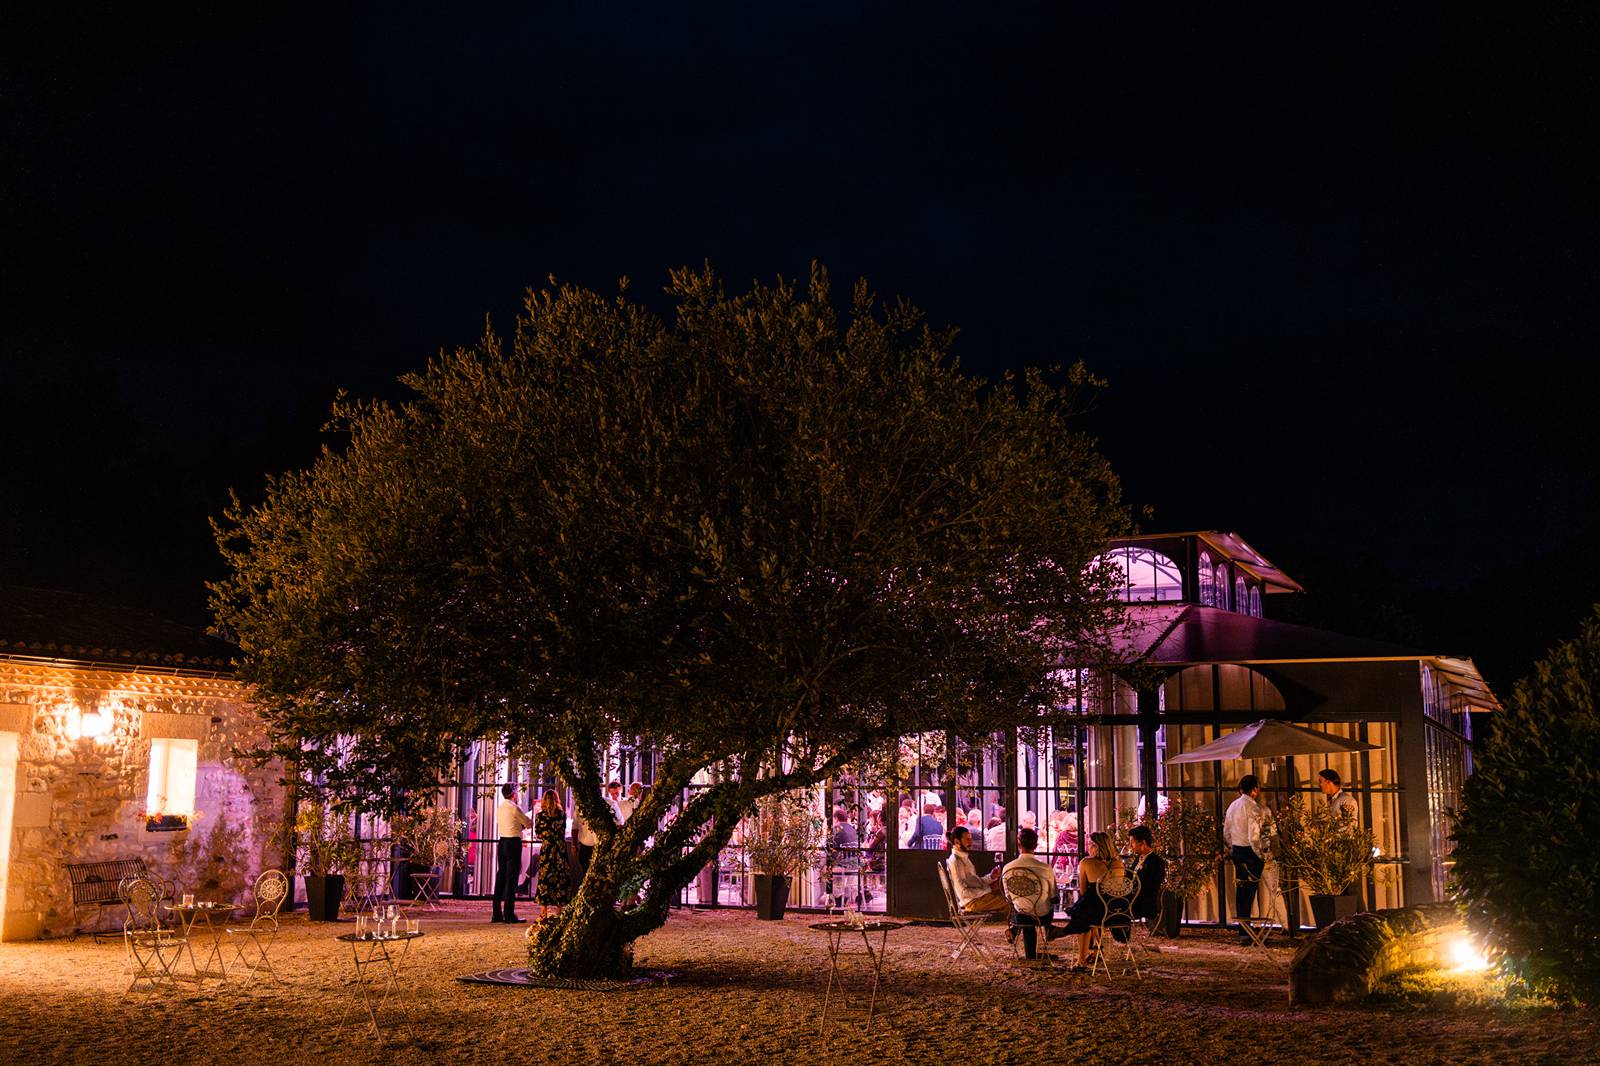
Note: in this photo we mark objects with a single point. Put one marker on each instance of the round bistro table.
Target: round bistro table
(839, 934)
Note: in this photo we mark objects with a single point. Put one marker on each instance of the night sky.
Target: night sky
(1339, 265)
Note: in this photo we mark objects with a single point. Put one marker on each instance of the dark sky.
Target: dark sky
(1339, 264)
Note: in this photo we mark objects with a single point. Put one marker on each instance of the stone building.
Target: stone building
(118, 739)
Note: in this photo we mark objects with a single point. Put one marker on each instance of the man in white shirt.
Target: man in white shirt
(583, 840)
(510, 820)
(1340, 802)
(1035, 908)
(1241, 832)
(629, 803)
(974, 894)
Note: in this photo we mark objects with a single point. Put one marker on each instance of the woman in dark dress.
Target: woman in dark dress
(555, 872)
(1089, 909)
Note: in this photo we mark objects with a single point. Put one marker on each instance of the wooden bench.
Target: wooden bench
(97, 884)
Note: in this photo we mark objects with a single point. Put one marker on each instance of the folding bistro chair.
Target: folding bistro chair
(253, 942)
(1117, 893)
(1256, 928)
(151, 947)
(1026, 892)
(966, 924)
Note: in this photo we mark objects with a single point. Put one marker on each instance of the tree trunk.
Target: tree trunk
(591, 937)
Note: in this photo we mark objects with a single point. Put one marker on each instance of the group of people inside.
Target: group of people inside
(557, 875)
(1026, 886)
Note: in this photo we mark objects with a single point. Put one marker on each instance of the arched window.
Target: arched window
(1208, 588)
(1222, 586)
(1241, 596)
(1255, 602)
(1147, 576)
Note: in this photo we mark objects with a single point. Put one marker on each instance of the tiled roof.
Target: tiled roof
(43, 623)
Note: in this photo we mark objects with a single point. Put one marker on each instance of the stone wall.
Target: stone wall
(80, 798)
(1348, 959)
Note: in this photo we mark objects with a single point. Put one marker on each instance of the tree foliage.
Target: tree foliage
(1528, 838)
(765, 534)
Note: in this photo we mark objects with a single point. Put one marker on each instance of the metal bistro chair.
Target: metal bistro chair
(966, 924)
(1026, 891)
(1256, 928)
(1117, 893)
(252, 943)
(151, 947)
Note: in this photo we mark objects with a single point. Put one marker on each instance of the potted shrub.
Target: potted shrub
(782, 841)
(432, 839)
(326, 851)
(1326, 852)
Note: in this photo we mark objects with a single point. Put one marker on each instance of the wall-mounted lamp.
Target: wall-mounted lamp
(93, 723)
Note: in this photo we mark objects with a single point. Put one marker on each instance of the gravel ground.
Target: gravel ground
(745, 992)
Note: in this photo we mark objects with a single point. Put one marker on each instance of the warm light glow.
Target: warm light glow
(93, 723)
(1466, 955)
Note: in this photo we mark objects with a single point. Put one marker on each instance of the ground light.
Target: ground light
(1466, 956)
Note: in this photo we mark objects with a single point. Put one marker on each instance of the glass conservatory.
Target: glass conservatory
(1215, 664)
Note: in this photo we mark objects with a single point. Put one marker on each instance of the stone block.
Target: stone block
(32, 810)
(1345, 961)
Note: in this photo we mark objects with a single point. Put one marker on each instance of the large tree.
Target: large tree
(768, 536)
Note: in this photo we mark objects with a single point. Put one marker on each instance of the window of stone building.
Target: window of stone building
(169, 798)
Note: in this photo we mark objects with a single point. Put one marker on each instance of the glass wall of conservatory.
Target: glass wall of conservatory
(1192, 699)
(879, 831)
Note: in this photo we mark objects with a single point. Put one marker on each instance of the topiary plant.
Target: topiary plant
(1527, 855)
(1326, 852)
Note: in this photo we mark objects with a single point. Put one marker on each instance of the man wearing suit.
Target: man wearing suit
(511, 820)
(1151, 869)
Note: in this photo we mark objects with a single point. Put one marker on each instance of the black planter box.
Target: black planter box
(323, 896)
(1171, 915)
(1325, 910)
(772, 896)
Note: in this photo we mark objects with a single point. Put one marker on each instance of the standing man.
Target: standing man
(1340, 802)
(631, 801)
(511, 821)
(583, 841)
(1241, 831)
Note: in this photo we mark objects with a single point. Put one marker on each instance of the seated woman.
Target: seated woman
(1089, 909)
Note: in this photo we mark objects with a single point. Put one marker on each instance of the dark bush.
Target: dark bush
(1528, 838)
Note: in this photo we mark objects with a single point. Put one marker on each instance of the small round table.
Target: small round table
(215, 917)
(838, 933)
(378, 954)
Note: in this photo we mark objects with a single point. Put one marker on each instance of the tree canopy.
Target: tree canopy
(767, 534)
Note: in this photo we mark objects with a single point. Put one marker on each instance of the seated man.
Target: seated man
(1151, 869)
(974, 894)
(1034, 909)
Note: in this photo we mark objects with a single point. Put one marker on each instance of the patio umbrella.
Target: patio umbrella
(1271, 739)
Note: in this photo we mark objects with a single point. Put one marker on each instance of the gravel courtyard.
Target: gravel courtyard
(744, 992)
